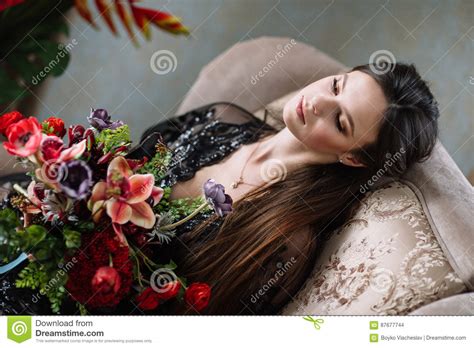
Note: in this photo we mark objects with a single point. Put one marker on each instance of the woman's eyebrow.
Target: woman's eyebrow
(349, 116)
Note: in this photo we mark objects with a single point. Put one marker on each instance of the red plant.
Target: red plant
(126, 11)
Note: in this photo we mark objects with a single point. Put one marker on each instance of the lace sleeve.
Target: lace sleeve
(282, 275)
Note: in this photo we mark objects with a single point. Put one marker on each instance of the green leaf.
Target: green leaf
(23, 67)
(47, 27)
(171, 265)
(54, 58)
(85, 226)
(71, 238)
(10, 90)
(36, 234)
(10, 241)
(112, 138)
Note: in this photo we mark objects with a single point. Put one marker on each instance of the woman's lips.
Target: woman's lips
(300, 109)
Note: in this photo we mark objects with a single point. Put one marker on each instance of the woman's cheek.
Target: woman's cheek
(320, 138)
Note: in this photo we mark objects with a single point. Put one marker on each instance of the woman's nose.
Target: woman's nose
(321, 105)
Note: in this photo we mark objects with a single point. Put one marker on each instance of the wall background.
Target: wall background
(108, 72)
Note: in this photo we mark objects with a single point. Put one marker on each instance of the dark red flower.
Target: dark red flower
(75, 134)
(24, 137)
(197, 295)
(51, 148)
(94, 254)
(148, 299)
(4, 4)
(8, 119)
(169, 290)
(55, 126)
(106, 279)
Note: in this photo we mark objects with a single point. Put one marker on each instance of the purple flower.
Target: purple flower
(216, 196)
(100, 119)
(75, 179)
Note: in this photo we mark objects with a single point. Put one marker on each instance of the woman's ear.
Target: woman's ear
(351, 160)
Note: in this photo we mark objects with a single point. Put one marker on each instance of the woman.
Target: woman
(291, 187)
(340, 131)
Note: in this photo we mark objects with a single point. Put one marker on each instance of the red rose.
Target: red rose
(24, 137)
(8, 119)
(197, 295)
(169, 290)
(106, 280)
(148, 299)
(54, 126)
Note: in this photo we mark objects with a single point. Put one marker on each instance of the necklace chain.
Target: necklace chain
(235, 184)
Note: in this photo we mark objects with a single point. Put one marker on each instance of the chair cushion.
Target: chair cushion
(385, 260)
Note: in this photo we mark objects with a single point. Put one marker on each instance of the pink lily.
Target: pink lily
(124, 194)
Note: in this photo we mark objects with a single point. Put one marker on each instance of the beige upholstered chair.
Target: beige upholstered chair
(409, 249)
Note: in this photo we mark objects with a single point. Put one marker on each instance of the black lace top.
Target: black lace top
(198, 138)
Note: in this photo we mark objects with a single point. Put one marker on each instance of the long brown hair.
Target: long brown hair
(321, 197)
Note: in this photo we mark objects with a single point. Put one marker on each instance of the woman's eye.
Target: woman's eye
(334, 86)
(339, 125)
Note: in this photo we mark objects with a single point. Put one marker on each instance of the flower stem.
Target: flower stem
(146, 259)
(182, 221)
(138, 270)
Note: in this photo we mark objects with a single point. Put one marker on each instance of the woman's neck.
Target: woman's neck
(285, 148)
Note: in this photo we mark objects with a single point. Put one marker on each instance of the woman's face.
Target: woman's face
(338, 114)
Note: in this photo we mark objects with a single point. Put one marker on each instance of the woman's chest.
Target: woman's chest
(224, 172)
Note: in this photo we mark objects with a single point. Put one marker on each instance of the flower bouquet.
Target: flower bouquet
(90, 216)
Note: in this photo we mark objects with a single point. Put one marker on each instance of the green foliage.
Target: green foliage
(112, 138)
(48, 248)
(46, 128)
(185, 206)
(158, 165)
(30, 46)
(178, 208)
(72, 238)
(49, 280)
(9, 241)
(82, 308)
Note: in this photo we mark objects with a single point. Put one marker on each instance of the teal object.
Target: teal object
(9, 266)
